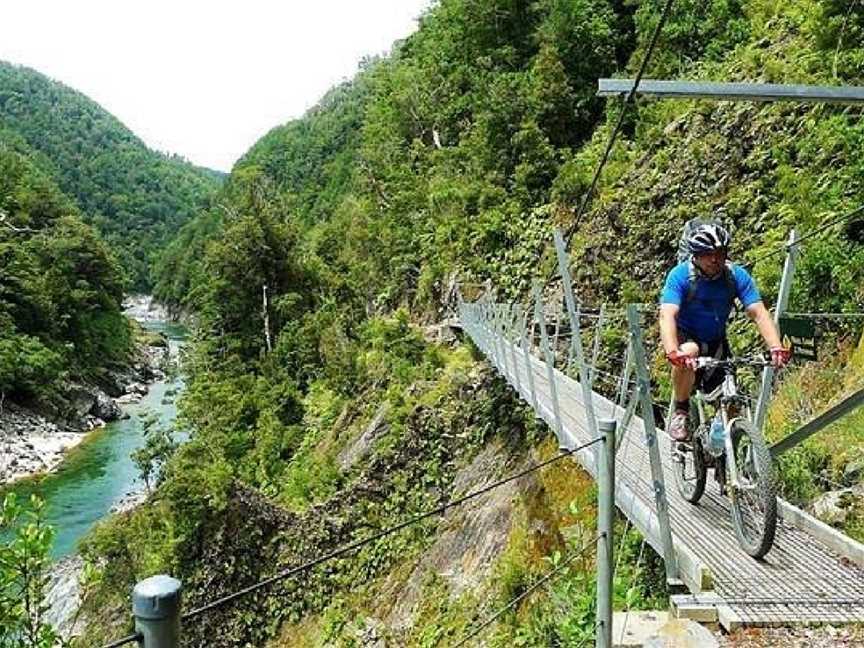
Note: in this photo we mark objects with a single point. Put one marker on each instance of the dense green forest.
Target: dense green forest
(340, 233)
(136, 198)
(60, 287)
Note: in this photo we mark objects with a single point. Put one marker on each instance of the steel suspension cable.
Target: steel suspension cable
(292, 571)
(125, 640)
(541, 581)
(847, 217)
(628, 101)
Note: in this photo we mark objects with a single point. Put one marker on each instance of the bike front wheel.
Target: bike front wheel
(690, 470)
(754, 500)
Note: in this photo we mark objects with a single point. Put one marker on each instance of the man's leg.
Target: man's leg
(683, 379)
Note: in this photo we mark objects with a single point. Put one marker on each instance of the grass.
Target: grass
(818, 464)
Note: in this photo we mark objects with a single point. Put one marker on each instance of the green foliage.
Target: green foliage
(697, 30)
(24, 563)
(158, 447)
(136, 198)
(27, 367)
(60, 287)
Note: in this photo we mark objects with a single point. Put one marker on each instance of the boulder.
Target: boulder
(79, 402)
(137, 388)
(361, 446)
(853, 472)
(682, 633)
(105, 408)
(834, 507)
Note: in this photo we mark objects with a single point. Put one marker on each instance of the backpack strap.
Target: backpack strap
(693, 280)
(729, 274)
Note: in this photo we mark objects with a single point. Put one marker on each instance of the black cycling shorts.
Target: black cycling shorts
(708, 379)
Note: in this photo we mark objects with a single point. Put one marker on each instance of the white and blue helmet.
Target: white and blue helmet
(708, 238)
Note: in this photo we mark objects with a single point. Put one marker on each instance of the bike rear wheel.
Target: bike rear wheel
(754, 501)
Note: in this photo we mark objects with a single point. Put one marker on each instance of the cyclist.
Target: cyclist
(694, 308)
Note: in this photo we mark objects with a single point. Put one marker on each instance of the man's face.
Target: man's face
(711, 263)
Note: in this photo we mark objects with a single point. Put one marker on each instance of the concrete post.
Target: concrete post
(156, 608)
(605, 524)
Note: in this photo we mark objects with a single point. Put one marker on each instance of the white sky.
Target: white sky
(204, 79)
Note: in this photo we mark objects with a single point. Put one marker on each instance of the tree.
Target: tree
(24, 565)
(159, 446)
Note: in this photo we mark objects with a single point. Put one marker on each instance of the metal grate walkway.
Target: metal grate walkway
(801, 580)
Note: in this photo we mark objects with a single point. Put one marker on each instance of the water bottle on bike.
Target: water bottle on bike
(717, 437)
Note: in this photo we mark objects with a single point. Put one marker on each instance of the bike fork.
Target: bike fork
(730, 453)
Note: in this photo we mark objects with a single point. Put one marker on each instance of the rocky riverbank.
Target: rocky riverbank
(34, 440)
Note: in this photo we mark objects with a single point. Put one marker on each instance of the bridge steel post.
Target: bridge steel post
(605, 525)
(549, 359)
(505, 317)
(156, 609)
(576, 333)
(782, 303)
(497, 337)
(515, 316)
(529, 368)
(596, 352)
(487, 333)
(644, 392)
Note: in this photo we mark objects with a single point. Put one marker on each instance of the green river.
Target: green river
(99, 472)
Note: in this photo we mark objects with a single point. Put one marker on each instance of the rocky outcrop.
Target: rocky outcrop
(470, 539)
(143, 309)
(35, 440)
(361, 446)
(31, 444)
(63, 596)
(834, 507)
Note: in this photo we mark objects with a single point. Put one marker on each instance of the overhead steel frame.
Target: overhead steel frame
(663, 89)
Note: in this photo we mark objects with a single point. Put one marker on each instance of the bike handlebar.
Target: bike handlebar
(755, 360)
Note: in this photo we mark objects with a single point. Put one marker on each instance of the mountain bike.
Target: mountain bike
(730, 444)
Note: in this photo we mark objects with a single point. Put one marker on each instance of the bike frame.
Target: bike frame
(723, 396)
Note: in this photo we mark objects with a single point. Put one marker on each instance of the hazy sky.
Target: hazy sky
(202, 79)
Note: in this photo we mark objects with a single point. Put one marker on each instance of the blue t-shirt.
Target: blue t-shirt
(704, 316)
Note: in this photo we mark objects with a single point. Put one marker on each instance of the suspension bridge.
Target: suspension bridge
(813, 574)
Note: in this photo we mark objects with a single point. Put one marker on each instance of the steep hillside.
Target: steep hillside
(60, 288)
(340, 234)
(136, 198)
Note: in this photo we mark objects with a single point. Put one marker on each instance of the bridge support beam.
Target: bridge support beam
(782, 302)
(575, 333)
(549, 359)
(644, 392)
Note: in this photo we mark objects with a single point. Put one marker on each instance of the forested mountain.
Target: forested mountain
(339, 233)
(60, 287)
(136, 198)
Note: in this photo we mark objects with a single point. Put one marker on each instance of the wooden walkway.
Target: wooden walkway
(801, 580)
